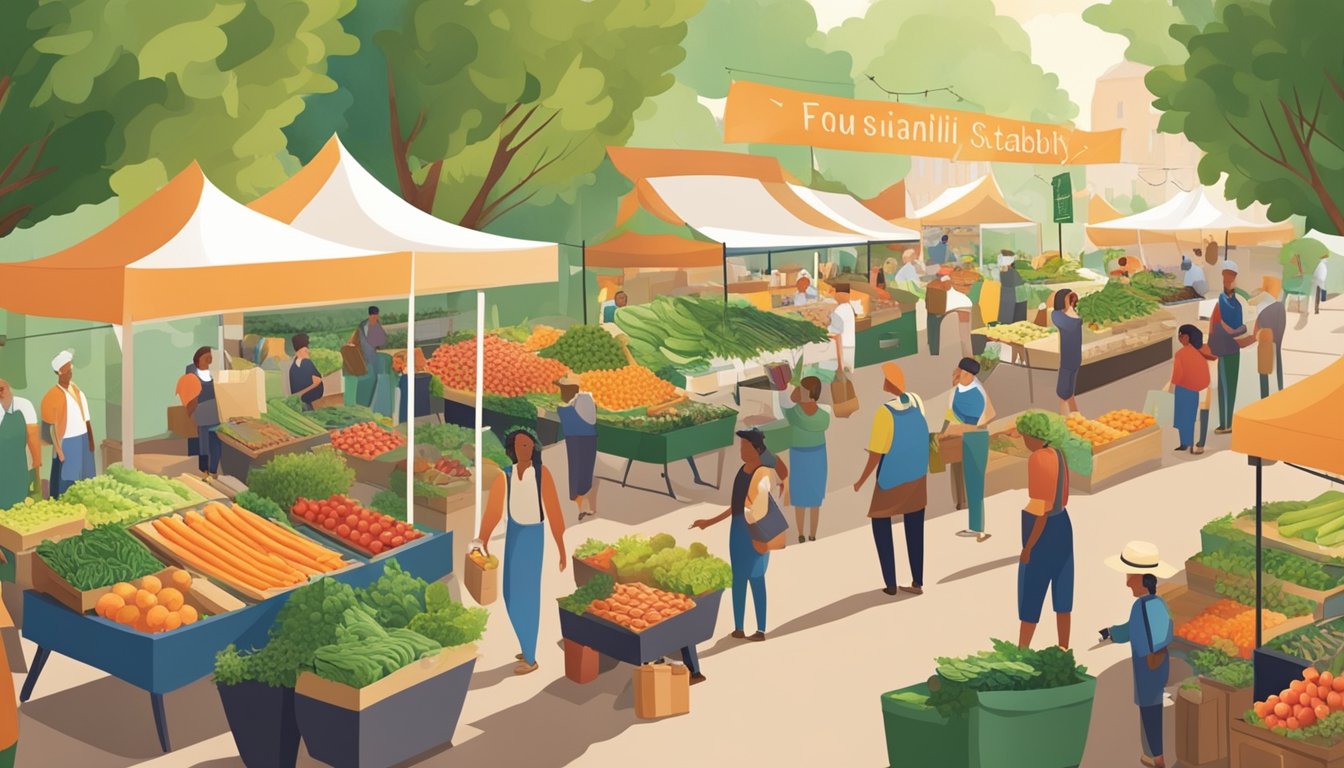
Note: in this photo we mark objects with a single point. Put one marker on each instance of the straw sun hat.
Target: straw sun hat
(1140, 557)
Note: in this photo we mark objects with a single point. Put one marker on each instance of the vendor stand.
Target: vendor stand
(666, 448)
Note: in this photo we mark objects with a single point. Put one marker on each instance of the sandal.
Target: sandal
(525, 668)
(1198, 450)
(811, 538)
(802, 539)
(981, 538)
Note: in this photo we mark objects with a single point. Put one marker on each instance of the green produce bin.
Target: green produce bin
(1032, 729)
(665, 447)
(886, 341)
(919, 736)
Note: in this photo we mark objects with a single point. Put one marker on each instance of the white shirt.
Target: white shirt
(524, 503)
(800, 299)
(907, 272)
(1194, 275)
(76, 415)
(1319, 275)
(956, 300)
(24, 408)
(842, 323)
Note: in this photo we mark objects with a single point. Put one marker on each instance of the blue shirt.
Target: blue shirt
(1135, 632)
(968, 404)
(301, 375)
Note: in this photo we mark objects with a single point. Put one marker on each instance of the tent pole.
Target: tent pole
(480, 400)
(869, 247)
(583, 276)
(725, 284)
(1226, 241)
(410, 374)
(1138, 233)
(127, 393)
(1259, 543)
(769, 262)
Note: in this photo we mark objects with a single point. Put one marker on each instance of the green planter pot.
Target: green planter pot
(919, 736)
(1031, 729)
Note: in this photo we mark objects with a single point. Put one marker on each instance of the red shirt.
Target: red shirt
(1042, 476)
(1189, 369)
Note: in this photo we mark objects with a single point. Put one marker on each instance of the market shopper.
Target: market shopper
(908, 273)
(898, 451)
(578, 420)
(1189, 377)
(525, 494)
(968, 415)
(370, 336)
(1012, 298)
(1149, 634)
(305, 380)
(1046, 562)
(1271, 321)
(1065, 318)
(843, 320)
(805, 292)
(761, 473)
(939, 252)
(1227, 335)
(20, 449)
(196, 390)
(609, 307)
(1193, 274)
(808, 421)
(65, 412)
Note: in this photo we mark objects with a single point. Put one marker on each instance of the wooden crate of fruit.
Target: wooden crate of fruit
(14, 541)
(49, 582)
(1118, 457)
(1255, 747)
(1329, 602)
(1187, 605)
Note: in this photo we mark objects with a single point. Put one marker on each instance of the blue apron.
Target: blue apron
(1149, 684)
(524, 550)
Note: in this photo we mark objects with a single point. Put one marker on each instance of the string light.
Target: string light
(925, 92)
(871, 78)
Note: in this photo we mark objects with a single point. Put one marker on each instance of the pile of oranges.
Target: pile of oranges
(510, 369)
(148, 605)
(1227, 620)
(1127, 421)
(542, 337)
(1314, 697)
(1094, 432)
(633, 386)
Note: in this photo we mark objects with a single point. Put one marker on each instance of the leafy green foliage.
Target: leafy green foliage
(1115, 303)
(680, 417)
(1051, 428)
(263, 506)
(1315, 643)
(590, 548)
(585, 348)
(99, 557)
(599, 587)
(317, 474)
(1220, 667)
(366, 652)
(389, 503)
(395, 597)
(1325, 732)
(1146, 24)
(306, 622)
(1006, 668)
(1272, 596)
(1239, 559)
(448, 622)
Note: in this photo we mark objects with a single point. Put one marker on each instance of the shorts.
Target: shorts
(1067, 383)
(1051, 568)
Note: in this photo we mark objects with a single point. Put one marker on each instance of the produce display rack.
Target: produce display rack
(164, 662)
(1329, 602)
(667, 447)
(237, 459)
(678, 634)
(1251, 746)
(1272, 538)
(13, 541)
(1118, 457)
(1185, 603)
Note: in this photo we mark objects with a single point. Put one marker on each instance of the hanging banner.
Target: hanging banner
(765, 114)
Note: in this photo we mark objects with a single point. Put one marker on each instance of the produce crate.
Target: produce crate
(1329, 602)
(1272, 538)
(411, 712)
(1255, 747)
(1185, 604)
(1315, 644)
(237, 459)
(17, 568)
(202, 488)
(1118, 457)
(887, 340)
(584, 572)
(49, 582)
(662, 639)
(376, 472)
(332, 540)
(14, 541)
(1031, 729)
(666, 447)
(701, 383)
(918, 736)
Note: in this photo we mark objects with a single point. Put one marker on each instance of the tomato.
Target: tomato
(385, 537)
(343, 530)
(329, 524)
(375, 547)
(397, 541)
(1322, 711)
(352, 520)
(362, 525)
(309, 516)
(375, 528)
(364, 539)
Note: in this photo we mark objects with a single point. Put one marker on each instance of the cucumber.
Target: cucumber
(1310, 512)
(1323, 515)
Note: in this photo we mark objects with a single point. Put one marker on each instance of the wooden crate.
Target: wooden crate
(196, 484)
(1184, 604)
(1119, 456)
(1329, 602)
(374, 472)
(14, 541)
(1253, 747)
(1272, 538)
(48, 582)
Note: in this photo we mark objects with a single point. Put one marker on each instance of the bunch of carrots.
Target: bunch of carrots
(244, 549)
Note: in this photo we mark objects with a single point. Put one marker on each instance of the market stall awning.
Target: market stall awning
(631, 250)
(848, 211)
(335, 198)
(1300, 425)
(979, 203)
(1099, 211)
(891, 203)
(1189, 217)
(191, 250)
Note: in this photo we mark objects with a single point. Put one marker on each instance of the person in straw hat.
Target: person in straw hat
(578, 419)
(1148, 632)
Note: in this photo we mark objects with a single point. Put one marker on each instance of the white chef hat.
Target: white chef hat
(59, 361)
(1230, 266)
(1007, 260)
(804, 273)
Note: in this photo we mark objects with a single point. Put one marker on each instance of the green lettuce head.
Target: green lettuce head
(1051, 429)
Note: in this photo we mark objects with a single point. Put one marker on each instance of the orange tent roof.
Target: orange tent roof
(1300, 425)
(1098, 210)
(631, 250)
(890, 202)
(980, 202)
(637, 164)
(191, 250)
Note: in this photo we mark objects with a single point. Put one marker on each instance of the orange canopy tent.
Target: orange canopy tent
(631, 250)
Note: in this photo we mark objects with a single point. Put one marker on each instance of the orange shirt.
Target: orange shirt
(1189, 369)
(1042, 475)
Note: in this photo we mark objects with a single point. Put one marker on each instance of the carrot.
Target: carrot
(206, 545)
(293, 560)
(291, 540)
(187, 554)
(241, 549)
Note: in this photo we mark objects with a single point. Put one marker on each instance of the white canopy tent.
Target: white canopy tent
(1188, 218)
(854, 215)
(334, 197)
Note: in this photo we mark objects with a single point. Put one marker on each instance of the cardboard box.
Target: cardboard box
(358, 699)
(681, 690)
(241, 394)
(180, 422)
(653, 691)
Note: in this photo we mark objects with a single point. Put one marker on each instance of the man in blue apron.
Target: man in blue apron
(196, 390)
(65, 414)
(20, 448)
(1148, 632)
(578, 420)
(967, 417)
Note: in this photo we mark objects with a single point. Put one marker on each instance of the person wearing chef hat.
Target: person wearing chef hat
(1149, 633)
(1227, 336)
(807, 293)
(65, 415)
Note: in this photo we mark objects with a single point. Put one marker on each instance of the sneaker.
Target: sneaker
(739, 634)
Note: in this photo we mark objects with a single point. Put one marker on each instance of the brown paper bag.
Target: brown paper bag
(681, 690)
(949, 448)
(844, 400)
(1201, 728)
(482, 583)
(653, 691)
(352, 361)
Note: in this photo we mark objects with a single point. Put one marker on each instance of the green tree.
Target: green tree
(1145, 24)
(1262, 94)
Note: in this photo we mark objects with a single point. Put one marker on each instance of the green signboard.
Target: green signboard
(1063, 189)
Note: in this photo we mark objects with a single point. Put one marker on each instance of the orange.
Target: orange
(188, 614)
(145, 599)
(156, 616)
(151, 584)
(170, 598)
(172, 621)
(127, 614)
(109, 604)
(123, 590)
(181, 579)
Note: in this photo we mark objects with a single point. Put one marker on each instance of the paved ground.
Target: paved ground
(809, 695)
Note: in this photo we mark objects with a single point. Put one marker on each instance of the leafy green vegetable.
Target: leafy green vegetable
(680, 417)
(263, 506)
(390, 503)
(1325, 732)
(1220, 667)
(590, 548)
(395, 597)
(1273, 598)
(365, 652)
(585, 348)
(448, 622)
(1052, 429)
(599, 587)
(1006, 668)
(306, 622)
(317, 474)
(1114, 303)
(99, 557)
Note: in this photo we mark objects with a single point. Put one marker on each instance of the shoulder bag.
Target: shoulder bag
(765, 520)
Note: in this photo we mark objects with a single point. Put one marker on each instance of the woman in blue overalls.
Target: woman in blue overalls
(748, 564)
(1148, 632)
(970, 411)
(578, 420)
(526, 493)
(1046, 563)
(196, 390)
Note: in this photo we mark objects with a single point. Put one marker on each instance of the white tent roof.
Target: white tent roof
(854, 215)
(969, 203)
(1332, 243)
(744, 215)
(1192, 210)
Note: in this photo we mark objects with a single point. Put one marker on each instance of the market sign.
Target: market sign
(765, 114)
(1063, 189)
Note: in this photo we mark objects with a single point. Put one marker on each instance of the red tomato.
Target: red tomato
(343, 530)
(329, 524)
(375, 547)
(397, 541)
(352, 520)
(385, 537)
(1322, 711)
(362, 525)
(375, 528)
(309, 516)
(364, 539)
